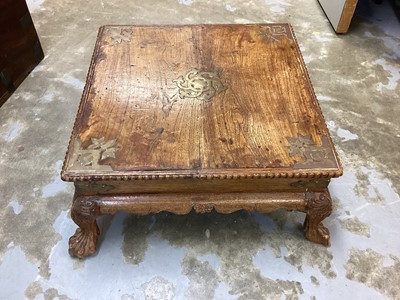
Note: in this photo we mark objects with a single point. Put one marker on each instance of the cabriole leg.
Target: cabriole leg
(318, 207)
(84, 213)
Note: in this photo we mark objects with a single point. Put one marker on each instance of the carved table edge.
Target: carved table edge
(183, 203)
(116, 177)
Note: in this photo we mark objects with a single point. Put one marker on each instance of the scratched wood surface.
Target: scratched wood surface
(200, 99)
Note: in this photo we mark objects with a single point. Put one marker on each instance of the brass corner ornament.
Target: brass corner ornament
(199, 85)
(313, 155)
(119, 35)
(273, 33)
(299, 145)
(97, 151)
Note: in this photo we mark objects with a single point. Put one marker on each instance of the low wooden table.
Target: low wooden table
(203, 117)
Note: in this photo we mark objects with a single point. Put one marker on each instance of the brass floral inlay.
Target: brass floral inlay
(299, 145)
(312, 154)
(273, 33)
(199, 85)
(97, 151)
(119, 35)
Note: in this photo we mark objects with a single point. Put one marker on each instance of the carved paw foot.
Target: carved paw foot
(83, 242)
(318, 207)
(84, 213)
(319, 234)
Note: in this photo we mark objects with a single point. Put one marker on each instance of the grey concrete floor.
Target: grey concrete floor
(242, 255)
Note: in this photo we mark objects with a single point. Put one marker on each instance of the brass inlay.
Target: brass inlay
(90, 158)
(313, 155)
(273, 33)
(299, 145)
(199, 85)
(119, 35)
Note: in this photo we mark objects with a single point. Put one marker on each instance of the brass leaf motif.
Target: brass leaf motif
(119, 35)
(299, 145)
(98, 150)
(312, 154)
(273, 33)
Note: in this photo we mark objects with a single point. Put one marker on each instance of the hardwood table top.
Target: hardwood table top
(199, 101)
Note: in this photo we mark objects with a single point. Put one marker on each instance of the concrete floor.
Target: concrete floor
(247, 256)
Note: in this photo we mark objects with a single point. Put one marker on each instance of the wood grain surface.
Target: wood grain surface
(262, 118)
(193, 185)
(346, 16)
